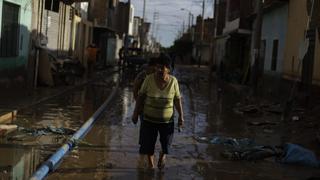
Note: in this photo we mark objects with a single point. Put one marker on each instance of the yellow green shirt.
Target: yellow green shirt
(158, 104)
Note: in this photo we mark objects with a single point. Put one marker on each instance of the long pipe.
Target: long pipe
(50, 164)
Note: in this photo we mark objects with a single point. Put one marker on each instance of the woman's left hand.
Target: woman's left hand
(180, 121)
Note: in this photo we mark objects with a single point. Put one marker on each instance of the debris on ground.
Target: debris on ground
(250, 109)
(295, 118)
(252, 154)
(109, 166)
(80, 142)
(236, 143)
(274, 108)
(46, 131)
(246, 149)
(259, 123)
(232, 142)
(295, 154)
(6, 129)
(268, 131)
(286, 154)
(299, 110)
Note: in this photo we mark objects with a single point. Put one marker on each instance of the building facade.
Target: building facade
(15, 29)
(273, 37)
(302, 51)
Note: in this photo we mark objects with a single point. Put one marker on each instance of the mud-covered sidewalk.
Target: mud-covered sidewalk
(110, 150)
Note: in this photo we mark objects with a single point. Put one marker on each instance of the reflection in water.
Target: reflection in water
(125, 103)
(18, 163)
(70, 110)
(114, 140)
(145, 174)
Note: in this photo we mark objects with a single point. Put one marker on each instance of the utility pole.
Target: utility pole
(183, 27)
(189, 19)
(192, 19)
(256, 51)
(144, 11)
(212, 40)
(202, 33)
(155, 18)
(202, 20)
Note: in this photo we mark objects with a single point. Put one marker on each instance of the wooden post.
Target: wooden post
(256, 51)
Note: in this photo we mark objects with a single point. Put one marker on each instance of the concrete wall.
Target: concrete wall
(56, 27)
(206, 55)
(99, 12)
(81, 38)
(219, 50)
(274, 27)
(131, 20)
(119, 44)
(297, 24)
(25, 29)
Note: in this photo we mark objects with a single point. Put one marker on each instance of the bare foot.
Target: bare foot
(162, 159)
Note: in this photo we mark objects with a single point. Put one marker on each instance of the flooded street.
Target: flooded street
(110, 149)
(244, 102)
(44, 127)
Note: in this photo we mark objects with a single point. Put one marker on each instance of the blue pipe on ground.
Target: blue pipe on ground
(50, 164)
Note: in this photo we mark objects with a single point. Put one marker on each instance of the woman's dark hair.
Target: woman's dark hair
(164, 59)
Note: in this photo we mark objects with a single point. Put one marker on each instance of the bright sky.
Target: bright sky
(170, 18)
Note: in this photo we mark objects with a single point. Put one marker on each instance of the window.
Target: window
(274, 55)
(52, 5)
(9, 30)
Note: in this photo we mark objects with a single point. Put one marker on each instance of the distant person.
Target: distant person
(121, 56)
(135, 44)
(92, 52)
(173, 59)
(199, 60)
(147, 70)
(158, 96)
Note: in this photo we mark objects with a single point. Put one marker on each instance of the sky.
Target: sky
(169, 18)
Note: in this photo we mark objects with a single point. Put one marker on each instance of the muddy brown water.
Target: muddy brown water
(113, 153)
(21, 153)
(110, 149)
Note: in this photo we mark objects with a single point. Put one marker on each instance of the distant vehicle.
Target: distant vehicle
(134, 57)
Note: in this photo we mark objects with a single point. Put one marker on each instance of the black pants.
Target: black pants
(149, 133)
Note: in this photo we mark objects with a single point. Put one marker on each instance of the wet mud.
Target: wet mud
(110, 149)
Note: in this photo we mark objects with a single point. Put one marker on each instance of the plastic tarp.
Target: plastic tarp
(295, 154)
(247, 149)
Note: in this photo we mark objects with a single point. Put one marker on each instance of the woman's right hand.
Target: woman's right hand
(180, 123)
